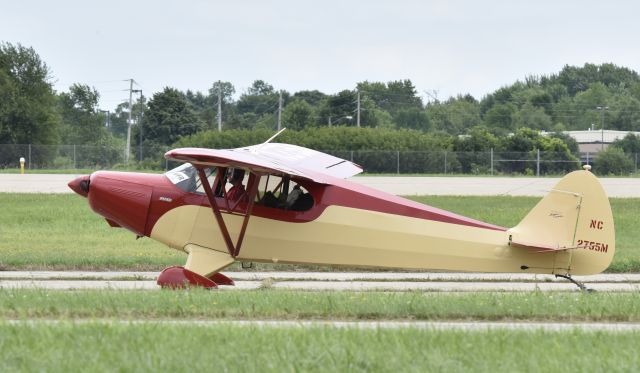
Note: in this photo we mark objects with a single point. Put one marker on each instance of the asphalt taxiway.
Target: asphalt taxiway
(329, 281)
(398, 185)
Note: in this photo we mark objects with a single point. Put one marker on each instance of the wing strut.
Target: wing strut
(254, 178)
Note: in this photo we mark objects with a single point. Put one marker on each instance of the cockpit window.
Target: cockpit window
(186, 177)
(274, 191)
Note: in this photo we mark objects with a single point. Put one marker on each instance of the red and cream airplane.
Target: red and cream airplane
(298, 208)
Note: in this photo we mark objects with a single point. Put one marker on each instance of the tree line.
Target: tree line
(31, 112)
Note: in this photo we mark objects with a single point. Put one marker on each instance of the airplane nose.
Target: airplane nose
(80, 185)
(122, 198)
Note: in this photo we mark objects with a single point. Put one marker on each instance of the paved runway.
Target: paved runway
(399, 185)
(329, 281)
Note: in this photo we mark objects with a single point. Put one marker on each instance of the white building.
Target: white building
(593, 141)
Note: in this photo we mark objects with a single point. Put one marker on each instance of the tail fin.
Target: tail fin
(574, 218)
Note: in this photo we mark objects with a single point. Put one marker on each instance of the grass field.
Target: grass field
(62, 331)
(299, 305)
(68, 347)
(59, 231)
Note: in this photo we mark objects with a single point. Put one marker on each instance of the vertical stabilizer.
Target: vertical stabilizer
(574, 220)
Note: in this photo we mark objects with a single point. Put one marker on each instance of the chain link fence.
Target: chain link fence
(57, 157)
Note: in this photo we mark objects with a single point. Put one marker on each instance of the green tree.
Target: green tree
(81, 121)
(260, 99)
(577, 79)
(169, 117)
(209, 113)
(392, 96)
(83, 124)
(474, 150)
(623, 113)
(403, 94)
(298, 115)
(412, 118)
(205, 106)
(571, 143)
(313, 98)
(260, 88)
(226, 89)
(338, 109)
(630, 144)
(503, 95)
(118, 120)
(27, 108)
(454, 116)
(517, 150)
(531, 116)
(500, 118)
(555, 155)
(478, 139)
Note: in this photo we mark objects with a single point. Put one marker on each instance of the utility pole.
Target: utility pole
(139, 124)
(358, 112)
(128, 146)
(219, 107)
(602, 109)
(280, 111)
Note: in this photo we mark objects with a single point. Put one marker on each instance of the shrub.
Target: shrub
(613, 161)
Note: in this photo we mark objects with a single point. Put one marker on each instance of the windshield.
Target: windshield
(186, 177)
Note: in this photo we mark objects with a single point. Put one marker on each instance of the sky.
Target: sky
(445, 47)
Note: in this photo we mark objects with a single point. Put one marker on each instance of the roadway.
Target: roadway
(329, 281)
(399, 185)
(341, 281)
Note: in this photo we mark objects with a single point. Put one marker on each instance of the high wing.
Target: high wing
(272, 158)
(267, 158)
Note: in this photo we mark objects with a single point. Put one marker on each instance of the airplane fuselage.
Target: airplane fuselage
(347, 225)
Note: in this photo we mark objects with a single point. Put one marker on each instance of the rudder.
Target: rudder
(574, 220)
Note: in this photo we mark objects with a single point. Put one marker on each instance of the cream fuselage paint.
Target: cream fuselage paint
(575, 215)
(355, 237)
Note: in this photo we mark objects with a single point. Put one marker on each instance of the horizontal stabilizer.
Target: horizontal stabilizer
(537, 247)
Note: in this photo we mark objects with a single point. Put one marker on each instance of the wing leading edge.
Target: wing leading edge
(272, 158)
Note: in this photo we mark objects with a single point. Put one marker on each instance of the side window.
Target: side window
(270, 191)
(283, 193)
(211, 176)
(236, 180)
(299, 199)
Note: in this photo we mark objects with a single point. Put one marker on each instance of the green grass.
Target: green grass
(68, 347)
(300, 305)
(59, 231)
